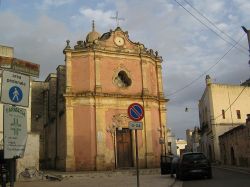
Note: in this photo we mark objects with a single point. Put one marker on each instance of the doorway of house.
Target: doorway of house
(124, 148)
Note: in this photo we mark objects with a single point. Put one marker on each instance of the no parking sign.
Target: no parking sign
(135, 112)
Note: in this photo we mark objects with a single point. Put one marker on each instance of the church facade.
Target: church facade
(86, 113)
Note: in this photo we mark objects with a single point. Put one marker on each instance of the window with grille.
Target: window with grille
(238, 114)
(223, 114)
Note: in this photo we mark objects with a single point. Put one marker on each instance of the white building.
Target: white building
(171, 142)
(221, 108)
(181, 145)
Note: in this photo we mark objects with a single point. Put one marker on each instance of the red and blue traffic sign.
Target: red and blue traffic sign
(135, 112)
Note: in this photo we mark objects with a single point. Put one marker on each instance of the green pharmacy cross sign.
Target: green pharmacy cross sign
(15, 131)
(16, 127)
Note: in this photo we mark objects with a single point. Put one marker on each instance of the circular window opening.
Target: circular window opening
(122, 80)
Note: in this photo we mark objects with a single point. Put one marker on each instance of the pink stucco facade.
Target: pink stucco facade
(103, 77)
(84, 137)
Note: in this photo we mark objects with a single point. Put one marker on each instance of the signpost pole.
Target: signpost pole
(137, 160)
(15, 90)
(12, 172)
(136, 113)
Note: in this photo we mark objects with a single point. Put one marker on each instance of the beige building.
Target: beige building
(181, 146)
(31, 154)
(221, 108)
(193, 139)
(171, 141)
(189, 134)
(235, 145)
(86, 101)
(6, 51)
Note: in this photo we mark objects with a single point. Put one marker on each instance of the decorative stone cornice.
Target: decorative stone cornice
(93, 94)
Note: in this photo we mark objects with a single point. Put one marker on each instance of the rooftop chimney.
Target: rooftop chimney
(208, 80)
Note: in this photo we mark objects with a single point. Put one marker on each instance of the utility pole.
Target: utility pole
(248, 37)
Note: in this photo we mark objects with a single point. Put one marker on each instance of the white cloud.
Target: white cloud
(85, 16)
(216, 6)
(41, 42)
(48, 3)
(57, 2)
(244, 7)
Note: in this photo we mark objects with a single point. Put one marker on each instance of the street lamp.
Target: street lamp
(188, 108)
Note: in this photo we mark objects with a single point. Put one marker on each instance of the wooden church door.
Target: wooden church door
(124, 148)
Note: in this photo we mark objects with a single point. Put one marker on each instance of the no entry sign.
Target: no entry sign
(135, 112)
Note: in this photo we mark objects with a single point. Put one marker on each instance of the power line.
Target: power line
(209, 27)
(228, 36)
(218, 61)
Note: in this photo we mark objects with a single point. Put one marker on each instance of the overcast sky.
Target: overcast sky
(38, 29)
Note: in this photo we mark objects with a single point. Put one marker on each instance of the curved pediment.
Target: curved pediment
(118, 39)
(115, 40)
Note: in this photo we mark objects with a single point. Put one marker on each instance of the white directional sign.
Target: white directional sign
(15, 89)
(15, 131)
(135, 125)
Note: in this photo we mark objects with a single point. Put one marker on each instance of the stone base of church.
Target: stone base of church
(151, 160)
(100, 162)
(60, 164)
(70, 164)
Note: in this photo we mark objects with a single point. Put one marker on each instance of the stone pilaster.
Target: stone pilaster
(148, 137)
(100, 136)
(68, 65)
(98, 87)
(144, 78)
(70, 154)
(159, 79)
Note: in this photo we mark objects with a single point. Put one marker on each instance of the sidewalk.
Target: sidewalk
(120, 178)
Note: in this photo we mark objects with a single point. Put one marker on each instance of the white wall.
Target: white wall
(31, 154)
(181, 144)
(218, 97)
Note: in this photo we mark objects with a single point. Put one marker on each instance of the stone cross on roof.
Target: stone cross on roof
(117, 19)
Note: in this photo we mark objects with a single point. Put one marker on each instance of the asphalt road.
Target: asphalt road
(221, 178)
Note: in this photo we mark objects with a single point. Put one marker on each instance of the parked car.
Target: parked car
(193, 164)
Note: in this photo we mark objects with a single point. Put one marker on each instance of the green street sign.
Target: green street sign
(15, 131)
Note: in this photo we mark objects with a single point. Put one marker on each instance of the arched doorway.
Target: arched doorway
(232, 156)
(123, 141)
